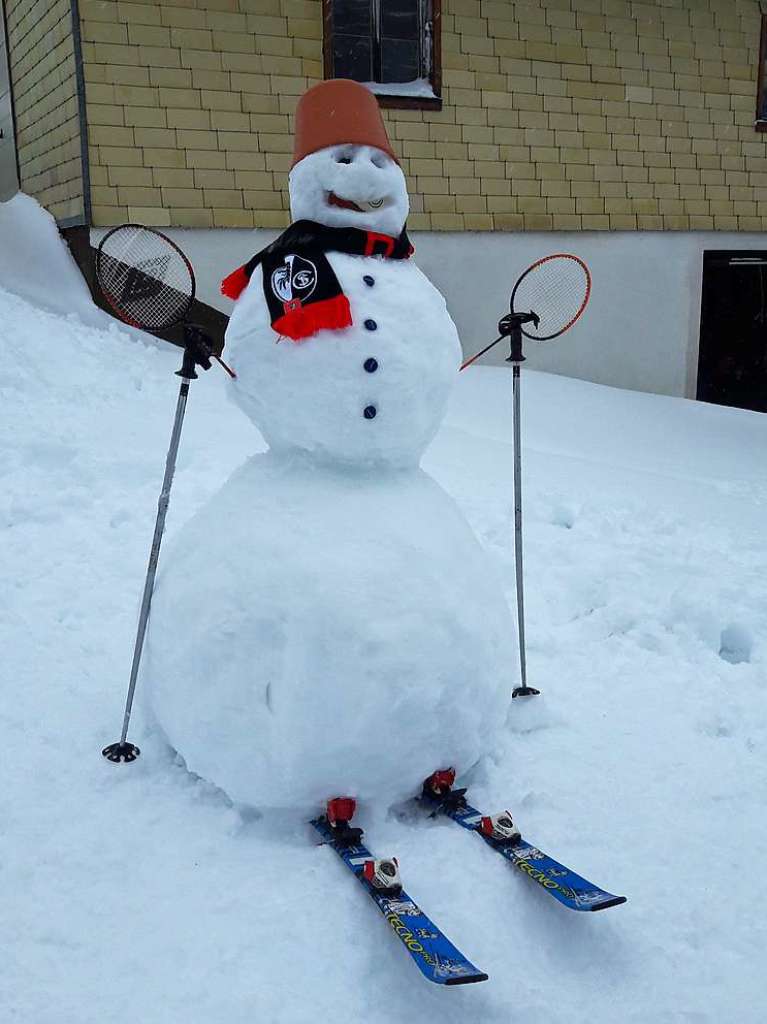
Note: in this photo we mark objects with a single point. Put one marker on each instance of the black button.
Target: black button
(371, 325)
(369, 281)
(371, 365)
(370, 412)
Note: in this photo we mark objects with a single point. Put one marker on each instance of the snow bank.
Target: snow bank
(641, 765)
(36, 264)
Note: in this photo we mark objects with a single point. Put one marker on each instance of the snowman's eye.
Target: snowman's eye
(343, 158)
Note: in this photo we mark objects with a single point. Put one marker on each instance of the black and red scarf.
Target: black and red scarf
(300, 288)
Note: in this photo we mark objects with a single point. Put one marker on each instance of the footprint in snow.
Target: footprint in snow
(735, 644)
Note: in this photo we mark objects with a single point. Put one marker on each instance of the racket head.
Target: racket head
(145, 277)
(557, 288)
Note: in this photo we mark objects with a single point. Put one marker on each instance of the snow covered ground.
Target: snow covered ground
(138, 890)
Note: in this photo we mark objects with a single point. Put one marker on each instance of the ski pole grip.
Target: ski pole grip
(198, 349)
(510, 326)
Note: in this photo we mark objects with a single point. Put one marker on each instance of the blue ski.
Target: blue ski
(432, 952)
(570, 889)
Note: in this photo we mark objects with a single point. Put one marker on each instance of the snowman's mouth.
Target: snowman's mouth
(349, 204)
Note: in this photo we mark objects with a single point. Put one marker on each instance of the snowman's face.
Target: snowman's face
(350, 186)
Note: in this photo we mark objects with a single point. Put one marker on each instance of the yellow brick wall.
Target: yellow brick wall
(558, 114)
(189, 107)
(43, 75)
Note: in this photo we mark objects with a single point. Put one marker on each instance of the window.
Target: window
(390, 45)
(761, 95)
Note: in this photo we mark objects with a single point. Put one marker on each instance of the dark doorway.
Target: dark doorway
(732, 367)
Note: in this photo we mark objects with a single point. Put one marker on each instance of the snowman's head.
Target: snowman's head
(350, 186)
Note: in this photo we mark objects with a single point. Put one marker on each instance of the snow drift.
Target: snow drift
(642, 764)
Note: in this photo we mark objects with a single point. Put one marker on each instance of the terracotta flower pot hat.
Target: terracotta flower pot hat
(336, 112)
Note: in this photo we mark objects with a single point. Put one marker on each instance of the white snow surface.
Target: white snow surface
(30, 245)
(141, 890)
(419, 87)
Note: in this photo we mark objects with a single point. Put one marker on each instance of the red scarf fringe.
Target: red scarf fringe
(329, 314)
(235, 284)
(326, 315)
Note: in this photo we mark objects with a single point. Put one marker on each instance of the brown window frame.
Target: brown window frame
(760, 123)
(392, 101)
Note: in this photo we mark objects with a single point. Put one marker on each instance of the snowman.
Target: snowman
(328, 624)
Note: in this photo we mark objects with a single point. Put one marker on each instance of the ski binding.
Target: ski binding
(432, 952)
(500, 833)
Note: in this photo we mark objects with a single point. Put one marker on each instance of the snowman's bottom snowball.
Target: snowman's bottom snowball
(317, 632)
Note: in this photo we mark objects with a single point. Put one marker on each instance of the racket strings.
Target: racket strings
(557, 289)
(146, 279)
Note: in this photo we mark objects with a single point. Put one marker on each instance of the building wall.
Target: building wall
(189, 107)
(558, 114)
(640, 330)
(9, 182)
(44, 79)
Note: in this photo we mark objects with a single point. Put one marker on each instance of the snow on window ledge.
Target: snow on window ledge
(419, 88)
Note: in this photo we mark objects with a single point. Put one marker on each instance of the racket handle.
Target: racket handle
(228, 369)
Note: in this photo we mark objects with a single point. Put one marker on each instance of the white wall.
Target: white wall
(640, 330)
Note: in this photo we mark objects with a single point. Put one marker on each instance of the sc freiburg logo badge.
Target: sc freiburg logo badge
(295, 279)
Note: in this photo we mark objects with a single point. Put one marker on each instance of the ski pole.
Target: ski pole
(558, 288)
(196, 353)
(511, 325)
